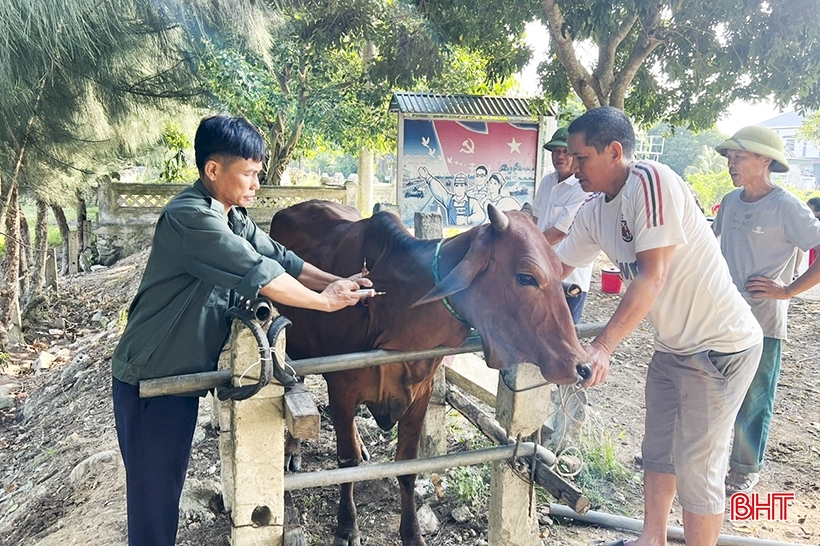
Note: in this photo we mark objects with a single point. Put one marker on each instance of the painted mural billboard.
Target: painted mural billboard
(458, 167)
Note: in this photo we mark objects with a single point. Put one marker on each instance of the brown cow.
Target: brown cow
(502, 278)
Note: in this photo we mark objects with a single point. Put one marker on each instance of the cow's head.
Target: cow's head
(508, 286)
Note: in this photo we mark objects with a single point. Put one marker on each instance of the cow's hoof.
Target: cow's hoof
(351, 541)
(294, 462)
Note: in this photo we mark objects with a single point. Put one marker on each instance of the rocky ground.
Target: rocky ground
(62, 483)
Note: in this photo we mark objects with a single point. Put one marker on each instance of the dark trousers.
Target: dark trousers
(155, 440)
(576, 306)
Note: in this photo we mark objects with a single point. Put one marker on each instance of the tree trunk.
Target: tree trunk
(612, 77)
(10, 268)
(38, 272)
(82, 216)
(26, 258)
(62, 223)
(281, 147)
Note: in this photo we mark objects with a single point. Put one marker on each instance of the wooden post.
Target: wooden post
(253, 451)
(51, 269)
(73, 252)
(433, 441)
(513, 519)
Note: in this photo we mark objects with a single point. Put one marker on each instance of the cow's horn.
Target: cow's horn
(498, 219)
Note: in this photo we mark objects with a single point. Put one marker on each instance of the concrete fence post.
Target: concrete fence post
(433, 441)
(352, 194)
(513, 520)
(51, 269)
(73, 252)
(252, 450)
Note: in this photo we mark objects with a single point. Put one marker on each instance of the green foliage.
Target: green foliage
(682, 146)
(803, 195)
(682, 62)
(810, 130)
(472, 483)
(494, 31)
(711, 186)
(325, 82)
(176, 168)
(465, 73)
(781, 53)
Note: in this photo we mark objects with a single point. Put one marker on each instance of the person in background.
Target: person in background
(707, 342)
(460, 208)
(495, 183)
(761, 226)
(206, 253)
(479, 190)
(556, 202)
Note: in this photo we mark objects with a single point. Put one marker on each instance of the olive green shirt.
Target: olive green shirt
(200, 262)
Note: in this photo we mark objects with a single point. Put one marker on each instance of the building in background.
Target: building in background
(803, 156)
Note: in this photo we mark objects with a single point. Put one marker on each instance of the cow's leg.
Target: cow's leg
(408, 448)
(348, 453)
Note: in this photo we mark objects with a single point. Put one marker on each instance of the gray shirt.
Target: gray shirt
(762, 238)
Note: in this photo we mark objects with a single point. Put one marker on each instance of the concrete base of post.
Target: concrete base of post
(252, 452)
(513, 520)
(433, 439)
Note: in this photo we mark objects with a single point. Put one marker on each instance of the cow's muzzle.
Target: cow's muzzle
(584, 372)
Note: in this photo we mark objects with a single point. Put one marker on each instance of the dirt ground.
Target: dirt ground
(62, 482)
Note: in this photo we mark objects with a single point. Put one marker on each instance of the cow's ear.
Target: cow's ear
(462, 275)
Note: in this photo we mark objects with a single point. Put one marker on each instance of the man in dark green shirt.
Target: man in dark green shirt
(206, 254)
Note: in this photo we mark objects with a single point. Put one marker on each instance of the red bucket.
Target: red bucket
(611, 280)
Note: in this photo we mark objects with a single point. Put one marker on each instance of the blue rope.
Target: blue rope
(437, 278)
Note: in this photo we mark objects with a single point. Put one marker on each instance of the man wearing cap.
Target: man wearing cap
(761, 226)
(556, 202)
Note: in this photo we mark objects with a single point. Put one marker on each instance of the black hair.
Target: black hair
(603, 126)
(229, 136)
(499, 177)
(814, 204)
(483, 168)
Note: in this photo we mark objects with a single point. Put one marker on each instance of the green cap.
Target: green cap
(559, 139)
(759, 140)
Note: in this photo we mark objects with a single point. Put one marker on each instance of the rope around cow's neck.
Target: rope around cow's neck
(437, 278)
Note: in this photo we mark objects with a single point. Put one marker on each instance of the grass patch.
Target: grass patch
(603, 479)
(471, 483)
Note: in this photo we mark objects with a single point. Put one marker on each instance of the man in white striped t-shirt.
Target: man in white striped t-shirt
(707, 341)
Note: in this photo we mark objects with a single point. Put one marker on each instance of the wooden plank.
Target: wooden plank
(470, 374)
(558, 487)
(301, 413)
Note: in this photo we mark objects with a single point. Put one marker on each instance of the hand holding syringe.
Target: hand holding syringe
(363, 293)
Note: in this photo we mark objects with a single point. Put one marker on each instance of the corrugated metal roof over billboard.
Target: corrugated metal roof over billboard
(460, 105)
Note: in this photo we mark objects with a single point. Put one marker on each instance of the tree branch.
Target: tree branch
(562, 44)
(645, 45)
(604, 73)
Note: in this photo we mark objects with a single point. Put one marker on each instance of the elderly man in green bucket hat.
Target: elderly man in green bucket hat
(556, 202)
(761, 226)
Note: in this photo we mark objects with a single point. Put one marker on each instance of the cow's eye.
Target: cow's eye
(526, 280)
